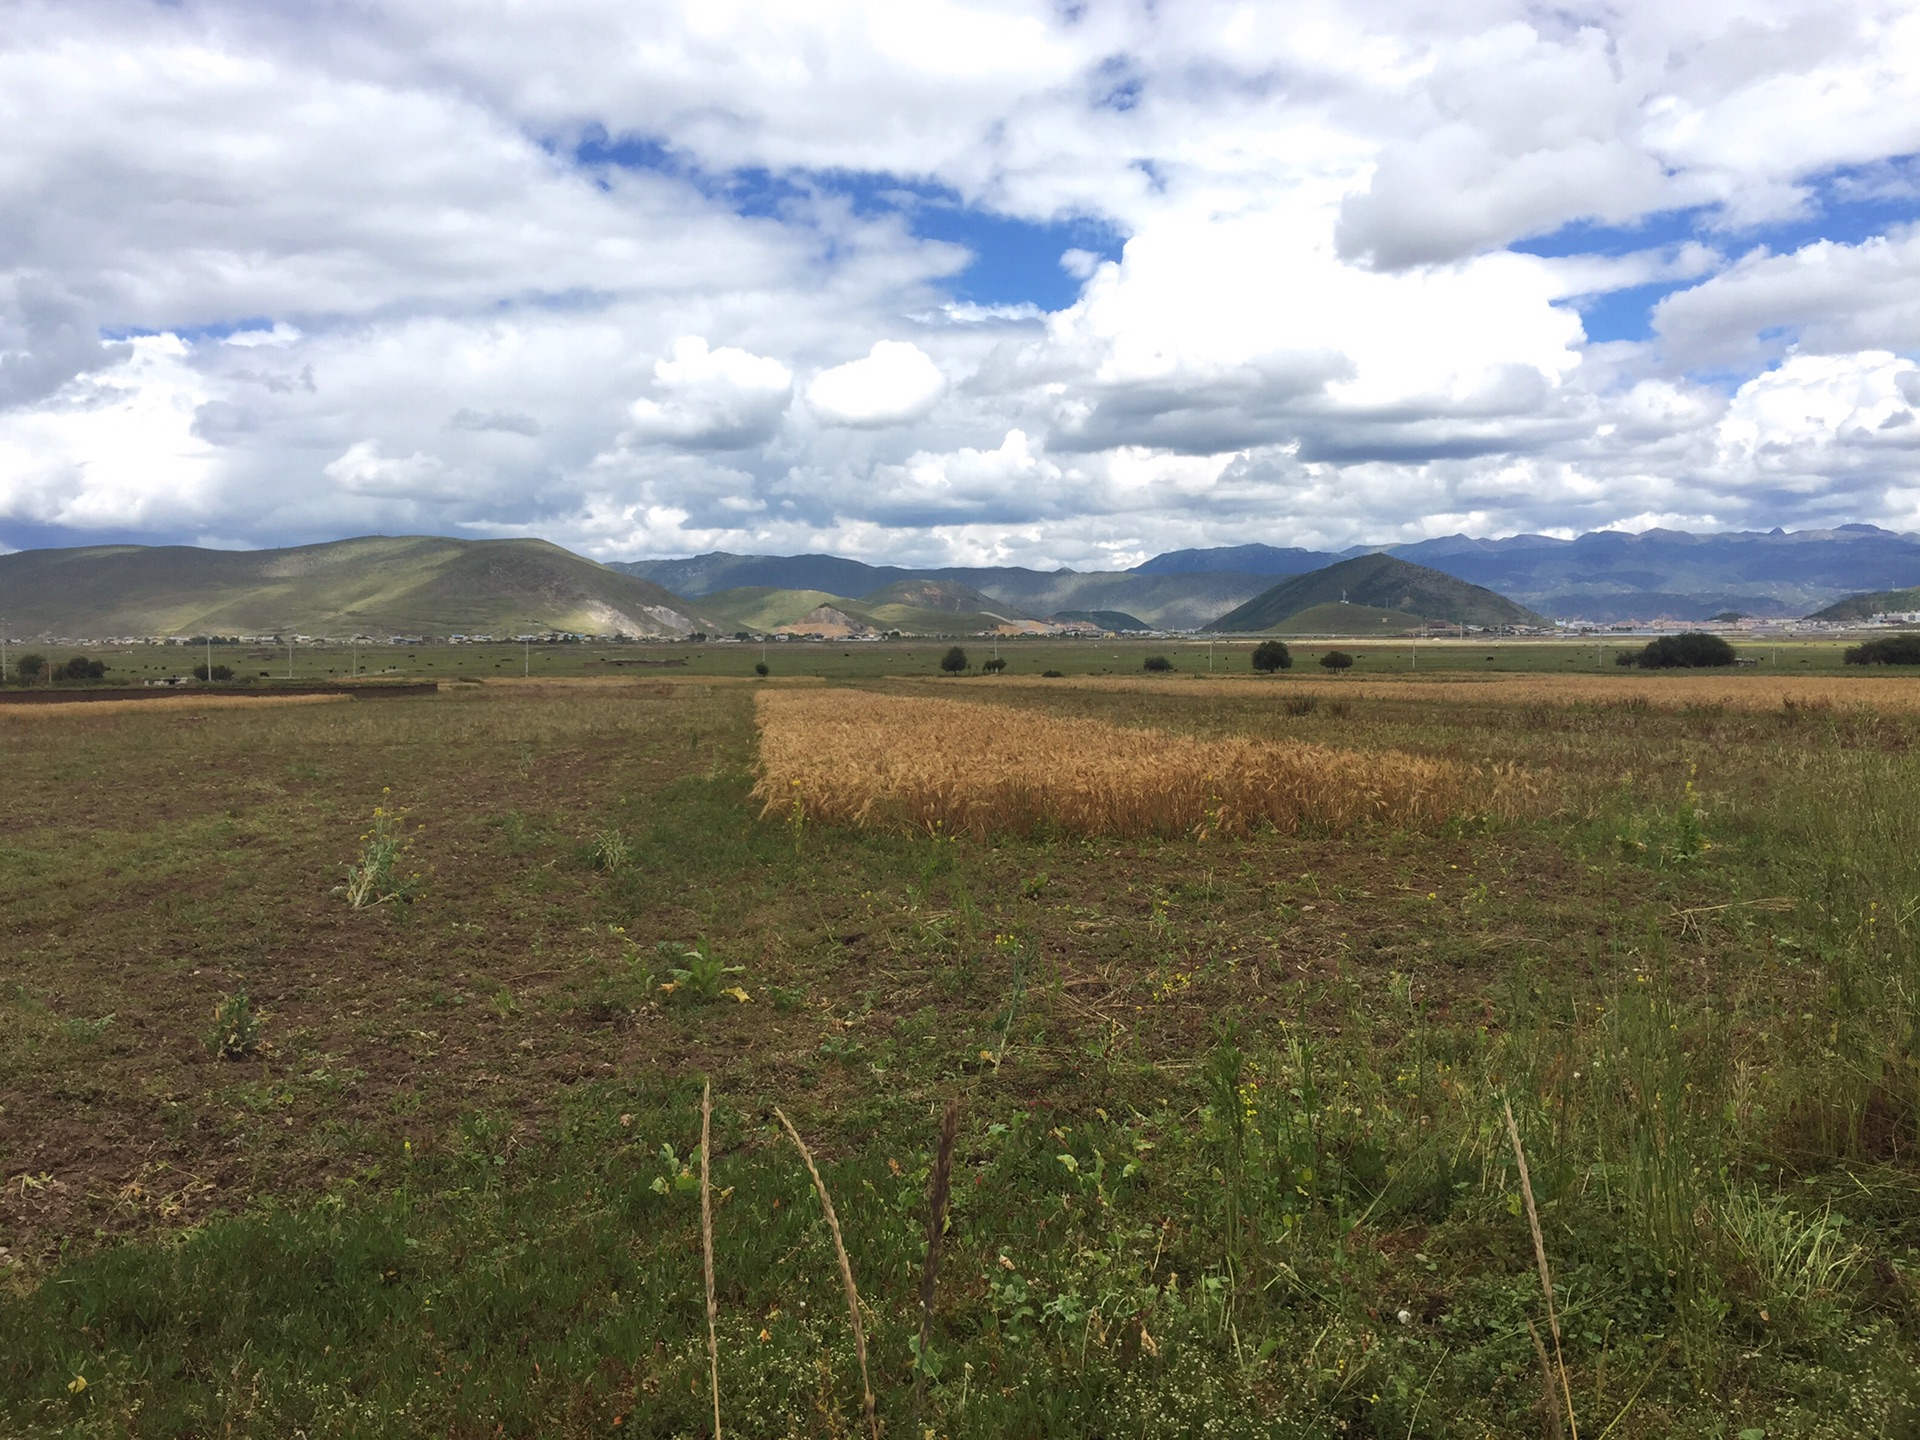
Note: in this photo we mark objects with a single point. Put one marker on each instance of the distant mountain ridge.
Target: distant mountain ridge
(1603, 575)
(1169, 602)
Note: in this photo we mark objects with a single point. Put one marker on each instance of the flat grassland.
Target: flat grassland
(1233, 1154)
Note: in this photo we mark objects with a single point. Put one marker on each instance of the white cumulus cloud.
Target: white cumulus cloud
(722, 399)
(1148, 276)
(896, 382)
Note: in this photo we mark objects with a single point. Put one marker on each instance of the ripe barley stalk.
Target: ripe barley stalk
(907, 763)
(846, 1267)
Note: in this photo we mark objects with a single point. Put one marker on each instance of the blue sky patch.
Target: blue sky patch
(1847, 205)
(1016, 261)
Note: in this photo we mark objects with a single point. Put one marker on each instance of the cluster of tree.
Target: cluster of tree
(31, 668)
(1894, 650)
(955, 661)
(1694, 650)
(1272, 655)
(220, 672)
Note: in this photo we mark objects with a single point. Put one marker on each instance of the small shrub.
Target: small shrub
(1893, 650)
(954, 661)
(1272, 655)
(1053, 674)
(380, 876)
(1694, 650)
(610, 851)
(761, 669)
(698, 973)
(1157, 664)
(236, 1028)
(1336, 660)
(1300, 704)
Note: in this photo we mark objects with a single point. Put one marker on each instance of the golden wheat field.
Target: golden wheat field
(895, 762)
(1739, 691)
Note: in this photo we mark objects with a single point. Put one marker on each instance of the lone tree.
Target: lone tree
(761, 669)
(1894, 650)
(1695, 650)
(30, 667)
(1272, 655)
(1158, 664)
(1336, 660)
(954, 661)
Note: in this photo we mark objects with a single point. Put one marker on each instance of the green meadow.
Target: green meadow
(1233, 1152)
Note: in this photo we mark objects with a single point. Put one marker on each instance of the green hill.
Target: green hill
(1875, 602)
(375, 585)
(950, 609)
(766, 607)
(947, 596)
(1117, 621)
(1382, 583)
(1356, 620)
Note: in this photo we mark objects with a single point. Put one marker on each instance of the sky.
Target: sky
(957, 281)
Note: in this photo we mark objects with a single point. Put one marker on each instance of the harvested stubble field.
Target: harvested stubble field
(184, 703)
(850, 757)
(1232, 1156)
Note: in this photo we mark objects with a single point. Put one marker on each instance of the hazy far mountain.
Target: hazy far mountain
(1167, 602)
(1604, 575)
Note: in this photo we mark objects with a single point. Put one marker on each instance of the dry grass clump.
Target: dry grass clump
(850, 757)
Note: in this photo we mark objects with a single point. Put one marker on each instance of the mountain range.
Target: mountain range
(381, 585)
(1602, 575)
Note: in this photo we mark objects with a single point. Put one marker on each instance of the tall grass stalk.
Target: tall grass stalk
(939, 1192)
(706, 1245)
(1546, 1275)
(846, 1268)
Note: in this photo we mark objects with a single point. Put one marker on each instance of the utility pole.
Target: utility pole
(526, 657)
(289, 655)
(1209, 655)
(209, 657)
(3, 649)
